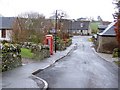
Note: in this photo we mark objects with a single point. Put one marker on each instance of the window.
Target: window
(3, 33)
(81, 25)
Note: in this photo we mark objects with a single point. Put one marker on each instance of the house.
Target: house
(6, 24)
(80, 27)
(103, 25)
(107, 40)
(82, 19)
(101, 28)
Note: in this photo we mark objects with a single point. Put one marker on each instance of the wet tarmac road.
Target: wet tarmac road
(82, 68)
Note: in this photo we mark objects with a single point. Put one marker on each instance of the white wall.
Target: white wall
(0, 33)
(8, 35)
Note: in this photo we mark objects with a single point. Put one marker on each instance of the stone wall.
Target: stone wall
(40, 51)
(106, 44)
(11, 57)
(11, 54)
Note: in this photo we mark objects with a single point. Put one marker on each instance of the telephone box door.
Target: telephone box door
(49, 41)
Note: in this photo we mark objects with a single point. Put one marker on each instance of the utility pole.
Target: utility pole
(55, 30)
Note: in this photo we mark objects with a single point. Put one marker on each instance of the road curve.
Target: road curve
(81, 69)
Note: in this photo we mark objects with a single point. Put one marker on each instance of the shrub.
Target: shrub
(116, 52)
(63, 43)
(11, 57)
(4, 41)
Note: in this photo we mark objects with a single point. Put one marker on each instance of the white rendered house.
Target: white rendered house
(6, 24)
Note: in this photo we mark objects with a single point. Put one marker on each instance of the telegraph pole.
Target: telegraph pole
(55, 30)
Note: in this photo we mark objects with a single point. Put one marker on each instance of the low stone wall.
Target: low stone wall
(11, 57)
(11, 54)
(40, 51)
(106, 44)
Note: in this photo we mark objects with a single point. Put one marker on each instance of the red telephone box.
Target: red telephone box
(49, 41)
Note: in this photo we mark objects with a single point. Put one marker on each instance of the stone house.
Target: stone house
(81, 27)
(107, 40)
(6, 24)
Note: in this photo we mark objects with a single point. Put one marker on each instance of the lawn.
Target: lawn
(26, 53)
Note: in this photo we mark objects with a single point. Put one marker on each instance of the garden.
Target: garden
(12, 54)
(27, 41)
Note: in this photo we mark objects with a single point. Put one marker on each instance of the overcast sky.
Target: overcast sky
(74, 8)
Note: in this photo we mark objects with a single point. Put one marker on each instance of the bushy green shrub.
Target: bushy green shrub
(116, 52)
(63, 43)
(4, 41)
(68, 42)
(11, 57)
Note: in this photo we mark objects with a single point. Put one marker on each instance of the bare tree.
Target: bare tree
(19, 33)
(29, 27)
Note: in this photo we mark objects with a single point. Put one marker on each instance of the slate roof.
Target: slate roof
(106, 22)
(103, 27)
(80, 25)
(6, 22)
(109, 31)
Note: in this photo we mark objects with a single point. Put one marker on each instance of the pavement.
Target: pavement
(106, 57)
(23, 77)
